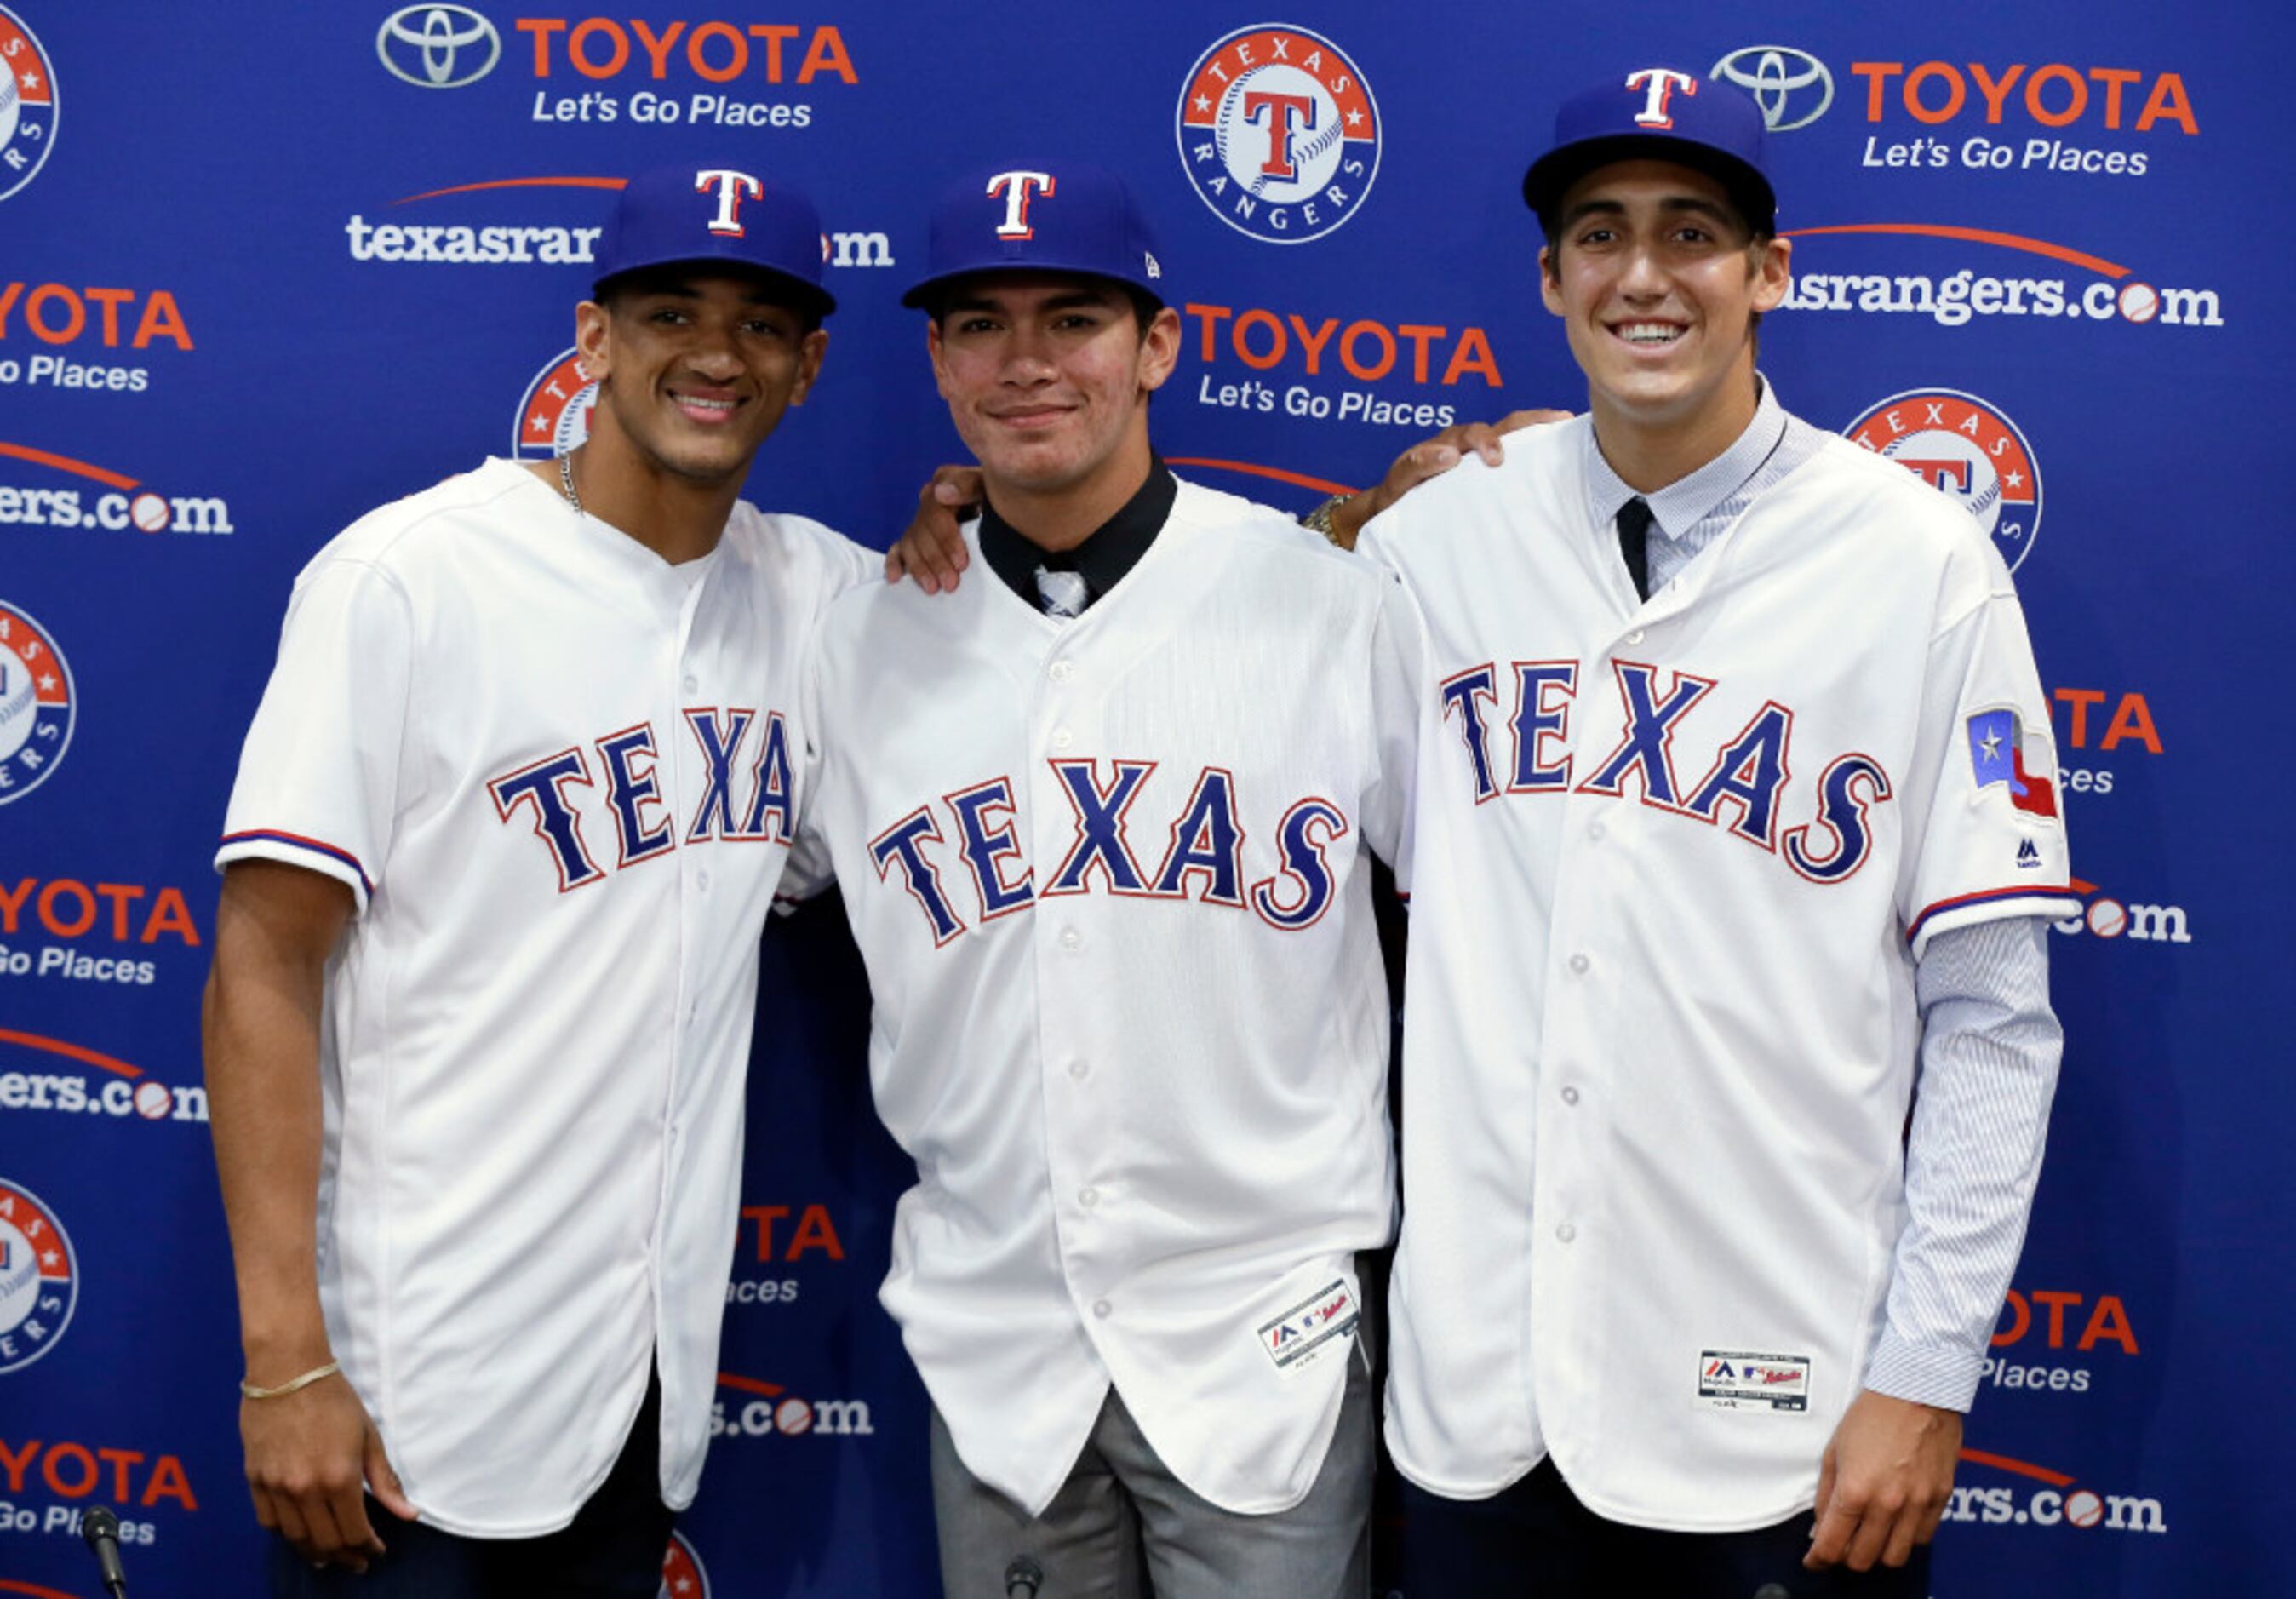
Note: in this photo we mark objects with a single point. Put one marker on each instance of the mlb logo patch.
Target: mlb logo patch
(1742, 1380)
(1300, 1332)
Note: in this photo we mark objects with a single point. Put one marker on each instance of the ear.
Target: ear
(1550, 284)
(808, 363)
(1774, 274)
(940, 355)
(593, 338)
(1160, 348)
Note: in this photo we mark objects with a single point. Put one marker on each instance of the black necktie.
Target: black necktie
(1635, 521)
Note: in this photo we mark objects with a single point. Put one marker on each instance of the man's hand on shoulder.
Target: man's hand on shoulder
(932, 550)
(1884, 1484)
(1431, 458)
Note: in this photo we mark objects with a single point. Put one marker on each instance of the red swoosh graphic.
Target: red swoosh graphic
(70, 1052)
(1974, 236)
(754, 1385)
(519, 183)
(9, 1585)
(24, 452)
(2002, 1462)
(1298, 479)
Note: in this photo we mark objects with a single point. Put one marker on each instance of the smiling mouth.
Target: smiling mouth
(710, 412)
(1649, 335)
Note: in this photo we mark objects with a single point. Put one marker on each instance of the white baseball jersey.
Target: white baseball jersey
(1111, 880)
(1672, 863)
(559, 776)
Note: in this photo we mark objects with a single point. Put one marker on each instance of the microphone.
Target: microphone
(100, 1528)
(1023, 1578)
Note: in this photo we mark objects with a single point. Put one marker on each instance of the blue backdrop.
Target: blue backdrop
(265, 265)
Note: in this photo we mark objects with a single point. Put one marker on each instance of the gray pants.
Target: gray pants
(1122, 1526)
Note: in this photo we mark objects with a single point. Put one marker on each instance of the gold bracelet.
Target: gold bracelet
(314, 1375)
(1319, 519)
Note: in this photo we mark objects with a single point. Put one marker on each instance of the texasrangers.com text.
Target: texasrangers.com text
(1953, 300)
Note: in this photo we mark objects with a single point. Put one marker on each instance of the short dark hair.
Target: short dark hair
(1144, 304)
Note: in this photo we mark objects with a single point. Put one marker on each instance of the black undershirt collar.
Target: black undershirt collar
(1107, 554)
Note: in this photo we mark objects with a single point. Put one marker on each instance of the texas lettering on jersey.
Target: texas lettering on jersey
(1203, 857)
(747, 796)
(1739, 790)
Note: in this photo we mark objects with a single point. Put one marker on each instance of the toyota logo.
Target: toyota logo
(435, 41)
(1782, 80)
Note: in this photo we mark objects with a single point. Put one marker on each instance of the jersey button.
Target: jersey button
(1578, 964)
(1062, 738)
(1088, 1198)
(1635, 637)
(1569, 1097)
(1566, 1232)
(1595, 832)
(1079, 1070)
(1062, 670)
(692, 683)
(701, 882)
(1101, 1308)
(1070, 939)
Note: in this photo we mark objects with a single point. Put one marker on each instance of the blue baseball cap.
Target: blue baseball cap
(1044, 217)
(716, 215)
(1667, 114)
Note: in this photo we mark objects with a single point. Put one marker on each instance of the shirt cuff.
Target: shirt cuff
(1923, 1374)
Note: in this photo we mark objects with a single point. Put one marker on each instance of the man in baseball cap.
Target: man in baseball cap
(1732, 819)
(1103, 820)
(486, 957)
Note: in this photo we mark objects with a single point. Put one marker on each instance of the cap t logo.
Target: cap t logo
(1019, 188)
(1658, 84)
(732, 188)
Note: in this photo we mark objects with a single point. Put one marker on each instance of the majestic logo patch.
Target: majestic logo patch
(1737, 1380)
(36, 705)
(39, 1278)
(1292, 1338)
(1279, 132)
(27, 104)
(1968, 450)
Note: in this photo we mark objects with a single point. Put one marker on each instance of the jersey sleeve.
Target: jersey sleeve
(1992, 834)
(1397, 668)
(318, 776)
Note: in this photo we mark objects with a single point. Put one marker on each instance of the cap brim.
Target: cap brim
(919, 295)
(813, 296)
(1551, 176)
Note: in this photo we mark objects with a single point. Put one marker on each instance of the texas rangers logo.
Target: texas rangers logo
(27, 104)
(554, 415)
(39, 1278)
(1279, 132)
(36, 704)
(682, 1576)
(1969, 450)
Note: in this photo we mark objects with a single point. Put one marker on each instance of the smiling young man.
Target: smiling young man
(484, 969)
(1103, 823)
(1730, 823)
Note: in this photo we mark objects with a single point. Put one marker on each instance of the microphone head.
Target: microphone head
(99, 1524)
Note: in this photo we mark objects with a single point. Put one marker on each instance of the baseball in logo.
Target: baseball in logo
(36, 704)
(1969, 450)
(554, 414)
(1279, 132)
(39, 1278)
(682, 1576)
(27, 104)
